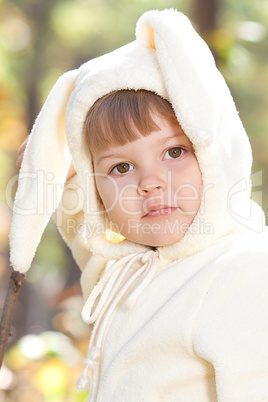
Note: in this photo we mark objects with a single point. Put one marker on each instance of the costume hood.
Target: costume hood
(169, 58)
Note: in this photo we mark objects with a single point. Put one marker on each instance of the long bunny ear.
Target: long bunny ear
(42, 175)
(188, 68)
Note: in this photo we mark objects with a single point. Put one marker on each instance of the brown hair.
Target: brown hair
(115, 118)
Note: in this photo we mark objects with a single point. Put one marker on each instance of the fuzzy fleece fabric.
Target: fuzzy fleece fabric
(198, 332)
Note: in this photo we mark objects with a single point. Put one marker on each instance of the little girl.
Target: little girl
(174, 274)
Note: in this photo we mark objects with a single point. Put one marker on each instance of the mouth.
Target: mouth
(159, 210)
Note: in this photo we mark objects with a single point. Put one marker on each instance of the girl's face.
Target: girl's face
(151, 188)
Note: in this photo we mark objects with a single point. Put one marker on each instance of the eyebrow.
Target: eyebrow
(161, 140)
(171, 137)
(118, 156)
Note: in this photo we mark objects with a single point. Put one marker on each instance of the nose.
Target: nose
(151, 183)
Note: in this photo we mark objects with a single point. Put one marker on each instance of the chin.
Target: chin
(158, 242)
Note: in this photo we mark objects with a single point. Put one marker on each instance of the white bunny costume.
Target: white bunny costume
(186, 322)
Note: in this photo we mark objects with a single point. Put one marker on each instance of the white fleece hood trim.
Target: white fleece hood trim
(169, 58)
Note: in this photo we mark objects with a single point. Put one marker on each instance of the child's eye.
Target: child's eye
(122, 168)
(174, 152)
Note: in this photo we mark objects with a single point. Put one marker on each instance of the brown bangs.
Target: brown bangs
(120, 116)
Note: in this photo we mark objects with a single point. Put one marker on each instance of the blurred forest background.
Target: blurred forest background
(39, 40)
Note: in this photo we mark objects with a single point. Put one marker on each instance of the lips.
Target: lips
(159, 210)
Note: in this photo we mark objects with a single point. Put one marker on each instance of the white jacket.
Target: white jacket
(197, 332)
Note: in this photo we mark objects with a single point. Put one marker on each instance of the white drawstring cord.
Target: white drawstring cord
(116, 282)
(111, 276)
(146, 278)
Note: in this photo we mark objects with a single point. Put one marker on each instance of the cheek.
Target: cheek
(120, 199)
(108, 192)
(128, 200)
(127, 204)
(189, 187)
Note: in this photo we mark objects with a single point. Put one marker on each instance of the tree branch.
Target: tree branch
(15, 283)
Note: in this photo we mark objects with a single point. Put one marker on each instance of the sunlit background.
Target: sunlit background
(39, 40)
